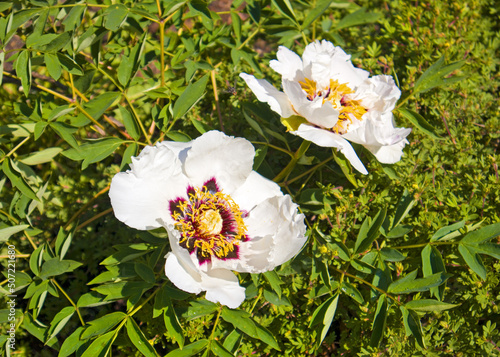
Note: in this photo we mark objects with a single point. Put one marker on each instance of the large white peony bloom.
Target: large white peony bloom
(335, 101)
(219, 214)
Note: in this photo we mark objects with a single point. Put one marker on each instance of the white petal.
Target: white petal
(315, 112)
(378, 134)
(378, 93)
(222, 286)
(226, 158)
(265, 92)
(255, 190)
(288, 64)
(326, 138)
(277, 233)
(180, 277)
(140, 197)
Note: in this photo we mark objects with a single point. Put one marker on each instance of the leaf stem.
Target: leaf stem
(69, 299)
(288, 168)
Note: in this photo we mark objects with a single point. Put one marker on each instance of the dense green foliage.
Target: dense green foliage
(402, 261)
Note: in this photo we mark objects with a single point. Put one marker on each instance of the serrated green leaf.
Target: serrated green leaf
(189, 350)
(191, 95)
(138, 339)
(379, 321)
(243, 321)
(425, 305)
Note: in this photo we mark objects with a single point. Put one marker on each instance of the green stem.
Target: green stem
(296, 157)
(311, 170)
(70, 300)
(15, 149)
(420, 245)
(273, 147)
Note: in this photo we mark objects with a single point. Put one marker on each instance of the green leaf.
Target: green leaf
(473, 260)
(189, 350)
(369, 231)
(233, 340)
(191, 95)
(36, 259)
(379, 320)
(405, 204)
(292, 123)
(483, 235)
(145, 272)
(71, 343)
(412, 325)
(23, 70)
(129, 64)
(53, 65)
(130, 123)
(359, 17)
(138, 339)
(100, 347)
(420, 122)
(243, 321)
(432, 263)
(2, 61)
(426, 305)
(65, 131)
(102, 324)
(285, 7)
(351, 291)
(219, 350)
(63, 241)
(6, 233)
(115, 16)
(172, 323)
(274, 280)
(409, 284)
(54, 267)
(448, 232)
(435, 75)
(391, 255)
(199, 308)
(178, 136)
(318, 10)
(35, 328)
(96, 107)
(94, 151)
(341, 249)
(17, 180)
(41, 157)
(59, 321)
(130, 151)
(490, 249)
(69, 64)
(324, 315)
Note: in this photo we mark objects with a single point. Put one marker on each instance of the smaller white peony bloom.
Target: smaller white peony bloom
(327, 100)
(219, 214)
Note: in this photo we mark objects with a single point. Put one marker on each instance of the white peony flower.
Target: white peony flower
(219, 214)
(327, 100)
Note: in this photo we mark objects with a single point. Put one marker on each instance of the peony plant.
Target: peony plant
(328, 101)
(220, 215)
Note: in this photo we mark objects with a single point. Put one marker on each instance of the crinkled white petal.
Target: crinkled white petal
(187, 280)
(255, 190)
(265, 92)
(140, 197)
(323, 61)
(327, 138)
(315, 112)
(288, 64)
(378, 93)
(226, 158)
(378, 134)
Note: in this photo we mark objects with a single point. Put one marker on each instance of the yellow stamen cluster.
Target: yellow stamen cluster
(338, 94)
(201, 223)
